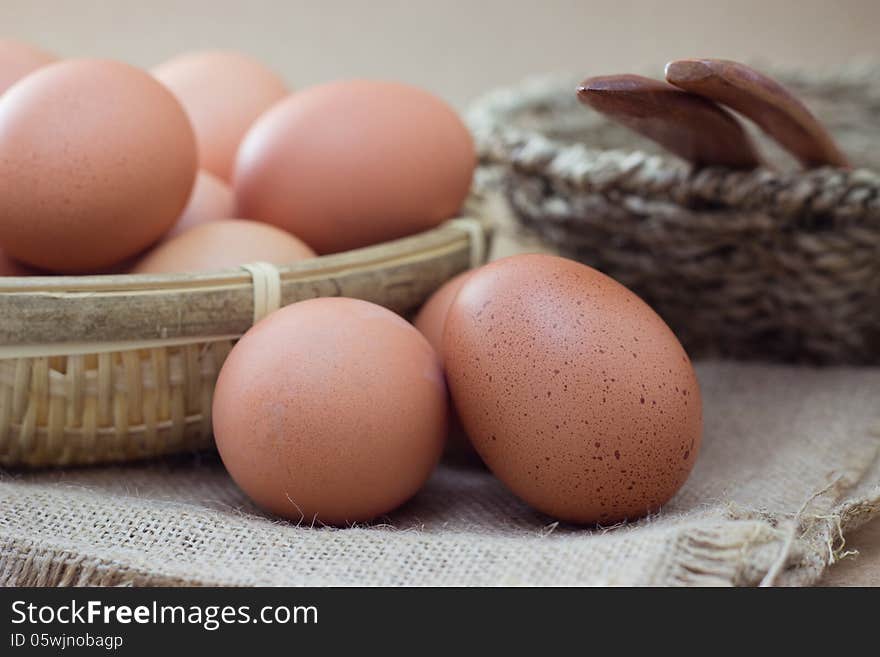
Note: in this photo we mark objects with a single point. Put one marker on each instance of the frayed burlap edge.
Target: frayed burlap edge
(757, 549)
(747, 553)
(27, 563)
(735, 552)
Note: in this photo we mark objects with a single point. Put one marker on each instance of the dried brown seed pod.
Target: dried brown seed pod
(763, 100)
(688, 125)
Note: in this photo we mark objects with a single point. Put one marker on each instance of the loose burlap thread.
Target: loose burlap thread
(789, 465)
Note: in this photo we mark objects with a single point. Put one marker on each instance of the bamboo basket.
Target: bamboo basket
(772, 264)
(96, 369)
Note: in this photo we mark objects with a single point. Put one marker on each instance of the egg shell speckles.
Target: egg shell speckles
(332, 410)
(572, 389)
(430, 321)
(351, 163)
(431, 317)
(98, 161)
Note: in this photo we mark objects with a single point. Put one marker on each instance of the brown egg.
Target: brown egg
(211, 199)
(223, 244)
(98, 162)
(223, 93)
(9, 267)
(331, 410)
(430, 321)
(353, 163)
(574, 392)
(19, 59)
(431, 317)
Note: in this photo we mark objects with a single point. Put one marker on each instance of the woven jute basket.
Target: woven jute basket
(113, 368)
(775, 263)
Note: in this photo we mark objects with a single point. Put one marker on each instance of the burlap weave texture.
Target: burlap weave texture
(789, 464)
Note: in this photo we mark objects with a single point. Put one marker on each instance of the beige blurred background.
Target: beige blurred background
(454, 47)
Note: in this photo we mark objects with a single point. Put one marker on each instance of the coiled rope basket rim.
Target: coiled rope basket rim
(773, 264)
(98, 369)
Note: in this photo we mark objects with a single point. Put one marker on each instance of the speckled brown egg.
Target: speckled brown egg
(431, 318)
(330, 410)
(18, 59)
(572, 389)
(223, 244)
(351, 163)
(430, 321)
(98, 163)
(223, 93)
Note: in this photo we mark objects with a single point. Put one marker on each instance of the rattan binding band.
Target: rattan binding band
(115, 368)
(267, 288)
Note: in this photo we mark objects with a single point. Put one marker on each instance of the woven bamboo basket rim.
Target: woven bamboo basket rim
(114, 368)
(31, 308)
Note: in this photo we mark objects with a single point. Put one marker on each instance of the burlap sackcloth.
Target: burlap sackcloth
(789, 465)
